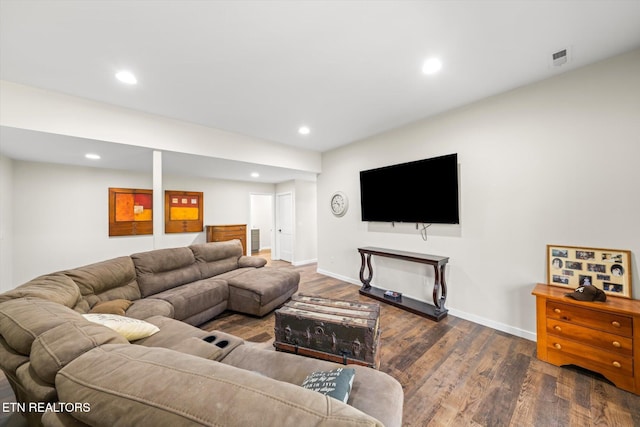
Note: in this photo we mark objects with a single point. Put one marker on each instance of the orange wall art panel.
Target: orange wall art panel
(183, 212)
(130, 212)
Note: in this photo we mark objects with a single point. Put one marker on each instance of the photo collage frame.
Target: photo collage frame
(607, 269)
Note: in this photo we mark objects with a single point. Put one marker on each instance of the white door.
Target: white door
(284, 227)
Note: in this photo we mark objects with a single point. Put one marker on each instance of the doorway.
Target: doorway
(262, 223)
(284, 227)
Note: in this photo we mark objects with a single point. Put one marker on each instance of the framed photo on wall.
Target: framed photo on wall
(607, 269)
(130, 212)
(183, 211)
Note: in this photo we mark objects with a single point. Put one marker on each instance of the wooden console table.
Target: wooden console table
(434, 312)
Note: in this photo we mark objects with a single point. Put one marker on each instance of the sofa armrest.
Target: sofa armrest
(374, 392)
(198, 347)
(131, 385)
(251, 261)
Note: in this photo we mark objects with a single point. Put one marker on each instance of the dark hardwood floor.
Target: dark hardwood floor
(458, 373)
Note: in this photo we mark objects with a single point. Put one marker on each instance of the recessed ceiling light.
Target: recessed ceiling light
(126, 77)
(92, 156)
(304, 130)
(431, 66)
(255, 174)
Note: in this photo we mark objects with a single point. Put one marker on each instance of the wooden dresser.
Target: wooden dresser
(603, 337)
(221, 233)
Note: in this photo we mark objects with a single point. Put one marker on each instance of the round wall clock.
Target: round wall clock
(339, 203)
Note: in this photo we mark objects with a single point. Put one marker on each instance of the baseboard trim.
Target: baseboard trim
(528, 335)
(531, 336)
(305, 262)
(339, 277)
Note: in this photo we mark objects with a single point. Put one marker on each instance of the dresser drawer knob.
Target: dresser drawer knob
(616, 344)
(617, 364)
(557, 310)
(616, 324)
(557, 346)
(557, 328)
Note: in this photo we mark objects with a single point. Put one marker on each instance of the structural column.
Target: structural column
(158, 201)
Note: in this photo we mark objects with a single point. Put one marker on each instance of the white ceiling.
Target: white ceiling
(347, 69)
(35, 146)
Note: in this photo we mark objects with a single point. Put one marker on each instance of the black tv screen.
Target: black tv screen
(422, 191)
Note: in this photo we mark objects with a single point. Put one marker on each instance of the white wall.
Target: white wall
(6, 223)
(306, 218)
(60, 215)
(551, 163)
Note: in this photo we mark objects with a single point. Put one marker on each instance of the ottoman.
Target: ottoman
(258, 292)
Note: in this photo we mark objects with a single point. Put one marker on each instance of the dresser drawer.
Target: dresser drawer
(603, 359)
(609, 342)
(223, 237)
(229, 229)
(603, 321)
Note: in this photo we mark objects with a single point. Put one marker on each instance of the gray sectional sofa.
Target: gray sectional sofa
(192, 284)
(69, 371)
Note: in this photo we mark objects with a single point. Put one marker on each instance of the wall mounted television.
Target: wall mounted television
(422, 191)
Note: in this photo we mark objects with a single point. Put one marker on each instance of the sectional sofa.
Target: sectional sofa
(154, 366)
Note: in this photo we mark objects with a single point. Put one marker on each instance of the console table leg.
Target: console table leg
(366, 282)
(443, 291)
(439, 285)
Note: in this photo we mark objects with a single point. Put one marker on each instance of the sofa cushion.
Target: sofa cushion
(259, 291)
(9, 358)
(106, 280)
(217, 257)
(171, 332)
(234, 273)
(116, 306)
(131, 329)
(181, 389)
(196, 297)
(147, 307)
(53, 349)
(22, 320)
(164, 269)
(55, 287)
(205, 316)
(36, 388)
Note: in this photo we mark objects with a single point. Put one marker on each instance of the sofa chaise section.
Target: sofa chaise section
(253, 288)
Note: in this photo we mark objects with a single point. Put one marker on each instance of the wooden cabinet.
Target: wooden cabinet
(603, 337)
(221, 233)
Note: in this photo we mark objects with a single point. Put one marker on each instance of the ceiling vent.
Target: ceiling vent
(560, 57)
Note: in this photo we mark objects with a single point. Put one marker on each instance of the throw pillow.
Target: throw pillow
(116, 306)
(336, 383)
(131, 329)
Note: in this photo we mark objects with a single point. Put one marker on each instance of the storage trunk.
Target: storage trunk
(329, 329)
